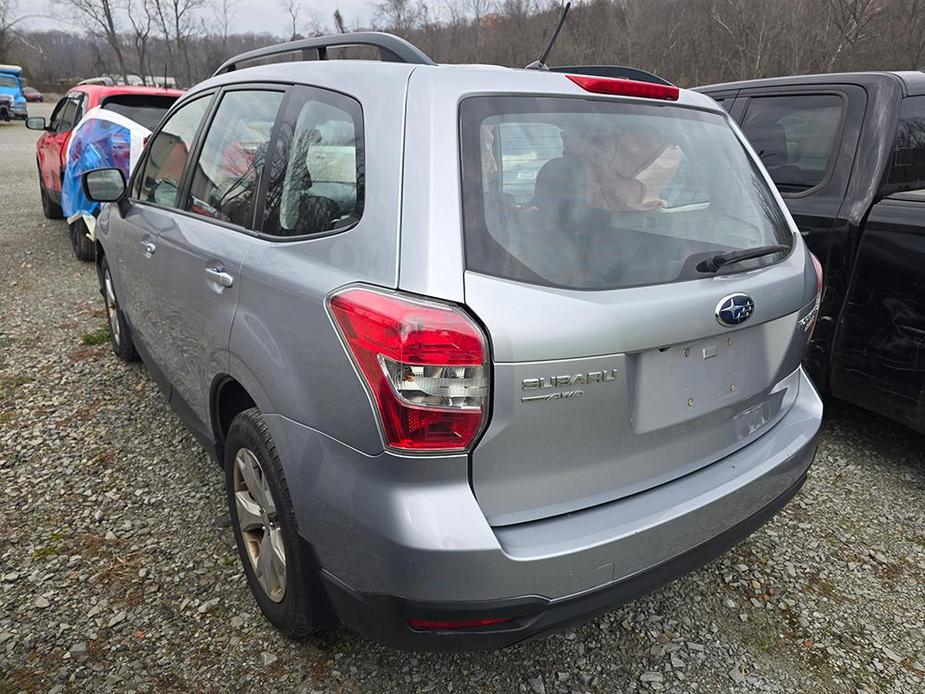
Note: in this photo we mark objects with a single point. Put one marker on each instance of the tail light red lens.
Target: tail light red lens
(624, 87)
(434, 624)
(425, 364)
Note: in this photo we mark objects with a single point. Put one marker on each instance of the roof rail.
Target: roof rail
(629, 73)
(391, 49)
(104, 80)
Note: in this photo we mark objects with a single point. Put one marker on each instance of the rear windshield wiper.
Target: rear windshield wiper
(714, 263)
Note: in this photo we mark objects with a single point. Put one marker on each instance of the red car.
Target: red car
(144, 105)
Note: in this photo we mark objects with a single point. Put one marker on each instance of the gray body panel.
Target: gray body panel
(412, 528)
(600, 491)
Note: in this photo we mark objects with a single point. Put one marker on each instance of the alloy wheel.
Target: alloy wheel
(259, 524)
(112, 308)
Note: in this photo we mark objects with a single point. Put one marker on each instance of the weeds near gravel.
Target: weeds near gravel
(98, 337)
(51, 549)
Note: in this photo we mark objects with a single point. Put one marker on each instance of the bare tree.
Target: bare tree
(141, 20)
(852, 20)
(339, 24)
(176, 21)
(101, 15)
(8, 21)
(223, 11)
(400, 16)
(293, 10)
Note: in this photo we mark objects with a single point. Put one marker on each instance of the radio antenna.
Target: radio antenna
(541, 63)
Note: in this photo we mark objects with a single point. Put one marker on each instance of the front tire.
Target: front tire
(50, 209)
(278, 564)
(83, 247)
(120, 335)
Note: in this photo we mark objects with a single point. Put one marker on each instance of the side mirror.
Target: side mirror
(104, 185)
(36, 123)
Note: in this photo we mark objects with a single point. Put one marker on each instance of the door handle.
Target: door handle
(219, 276)
(149, 248)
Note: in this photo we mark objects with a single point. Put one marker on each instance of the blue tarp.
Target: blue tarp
(103, 139)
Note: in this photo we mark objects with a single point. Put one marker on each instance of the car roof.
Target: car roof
(383, 76)
(911, 81)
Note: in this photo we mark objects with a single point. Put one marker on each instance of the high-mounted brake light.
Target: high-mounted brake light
(425, 364)
(624, 87)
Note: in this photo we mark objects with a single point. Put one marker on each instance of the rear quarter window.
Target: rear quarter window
(907, 171)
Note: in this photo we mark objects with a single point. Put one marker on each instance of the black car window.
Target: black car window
(908, 167)
(316, 173)
(167, 154)
(226, 175)
(68, 116)
(145, 109)
(795, 136)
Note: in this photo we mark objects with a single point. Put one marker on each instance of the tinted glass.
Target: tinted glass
(7, 81)
(316, 182)
(795, 137)
(68, 116)
(908, 170)
(146, 110)
(167, 154)
(591, 194)
(226, 175)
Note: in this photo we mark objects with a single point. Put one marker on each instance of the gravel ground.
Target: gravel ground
(117, 572)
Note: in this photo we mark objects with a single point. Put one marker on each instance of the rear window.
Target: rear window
(908, 167)
(592, 194)
(146, 110)
(795, 136)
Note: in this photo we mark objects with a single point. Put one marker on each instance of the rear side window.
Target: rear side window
(144, 109)
(316, 178)
(68, 116)
(225, 177)
(795, 136)
(168, 152)
(592, 194)
(908, 169)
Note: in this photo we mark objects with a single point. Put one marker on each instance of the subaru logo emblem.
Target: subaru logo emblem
(734, 309)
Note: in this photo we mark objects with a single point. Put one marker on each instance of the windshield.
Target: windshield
(144, 109)
(591, 194)
(7, 81)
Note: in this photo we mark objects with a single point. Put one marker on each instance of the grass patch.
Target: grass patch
(99, 337)
(52, 549)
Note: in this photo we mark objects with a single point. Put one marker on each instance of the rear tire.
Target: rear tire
(84, 249)
(50, 209)
(279, 565)
(120, 335)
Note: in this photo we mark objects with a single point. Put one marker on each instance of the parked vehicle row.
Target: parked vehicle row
(476, 366)
(115, 138)
(847, 152)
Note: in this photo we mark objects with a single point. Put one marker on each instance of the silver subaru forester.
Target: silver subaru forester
(483, 351)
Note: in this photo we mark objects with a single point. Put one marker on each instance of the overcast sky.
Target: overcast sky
(250, 15)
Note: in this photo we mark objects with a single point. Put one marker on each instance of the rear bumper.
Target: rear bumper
(403, 538)
(384, 618)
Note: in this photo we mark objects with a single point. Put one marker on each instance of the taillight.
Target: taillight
(425, 364)
(619, 86)
(814, 314)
